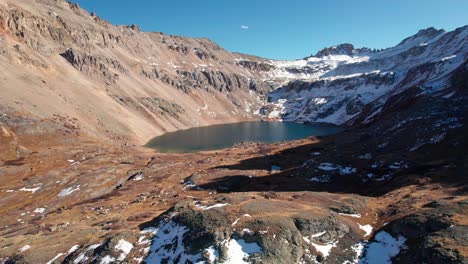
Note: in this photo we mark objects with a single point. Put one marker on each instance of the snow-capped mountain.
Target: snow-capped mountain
(336, 84)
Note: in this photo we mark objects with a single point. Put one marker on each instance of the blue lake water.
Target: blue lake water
(224, 136)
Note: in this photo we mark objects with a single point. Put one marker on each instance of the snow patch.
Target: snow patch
(278, 109)
(248, 231)
(357, 249)
(351, 215)
(383, 249)
(366, 228)
(321, 179)
(332, 167)
(24, 248)
(124, 247)
(213, 254)
(107, 260)
(55, 258)
(39, 210)
(68, 191)
(237, 220)
(324, 249)
(208, 207)
(318, 234)
(238, 250)
(32, 190)
(73, 249)
(140, 176)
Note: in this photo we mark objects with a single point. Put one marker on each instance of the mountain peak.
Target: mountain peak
(423, 35)
(342, 49)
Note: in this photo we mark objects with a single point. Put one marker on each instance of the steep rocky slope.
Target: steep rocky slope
(116, 82)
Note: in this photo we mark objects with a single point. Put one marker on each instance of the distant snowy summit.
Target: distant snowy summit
(342, 49)
(422, 35)
(339, 82)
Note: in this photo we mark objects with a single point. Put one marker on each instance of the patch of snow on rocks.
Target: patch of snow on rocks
(39, 210)
(73, 249)
(24, 248)
(383, 249)
(366, 228)
(167, 245)
(278, 109)
(237, 220)
(318, 234)
(208, 207)
(358, 249)
(82, 256)
(140, 176)
(324, 249)
(320, 179)
(124, 247)
(351, 215)
(332, 167)
(213, 254)
(68, 191)
(238, 250)
(55, 258)
(248, 231)
(107, 260)
(32, 190)
(327, 166)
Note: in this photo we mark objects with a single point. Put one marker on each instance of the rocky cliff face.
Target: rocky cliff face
(71, 54)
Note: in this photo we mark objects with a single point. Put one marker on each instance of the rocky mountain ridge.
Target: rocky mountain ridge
(336, 86)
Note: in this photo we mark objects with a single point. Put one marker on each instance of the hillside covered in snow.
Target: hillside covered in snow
(341, 83)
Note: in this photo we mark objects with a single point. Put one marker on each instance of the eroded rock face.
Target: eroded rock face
(157, 106)
(122, 61)
(95, 65)
(217, 80)
(255, 65)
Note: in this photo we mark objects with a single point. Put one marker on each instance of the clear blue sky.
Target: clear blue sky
(285, 29)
